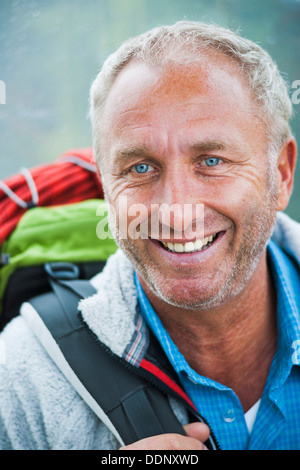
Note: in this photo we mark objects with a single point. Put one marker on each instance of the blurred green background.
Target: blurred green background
(51, 50)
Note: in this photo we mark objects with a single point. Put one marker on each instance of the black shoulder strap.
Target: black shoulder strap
(131, 407)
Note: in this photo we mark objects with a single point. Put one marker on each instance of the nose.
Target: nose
(180, 214)
(181, 222)
(175, 184)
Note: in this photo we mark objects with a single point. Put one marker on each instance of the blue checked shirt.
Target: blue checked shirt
(277, 423)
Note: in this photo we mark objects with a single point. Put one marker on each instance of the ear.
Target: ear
(286, 169)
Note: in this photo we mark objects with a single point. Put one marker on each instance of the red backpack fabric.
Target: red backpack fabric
(70, 179)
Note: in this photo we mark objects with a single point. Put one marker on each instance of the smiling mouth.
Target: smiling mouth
(200, 244)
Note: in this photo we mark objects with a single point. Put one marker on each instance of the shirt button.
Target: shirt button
(229, 416)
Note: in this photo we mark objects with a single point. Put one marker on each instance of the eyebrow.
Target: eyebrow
(209, 145)
(214, 145)
(134, 151)
(125, 153)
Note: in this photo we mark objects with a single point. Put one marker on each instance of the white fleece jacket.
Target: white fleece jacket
(39, 408)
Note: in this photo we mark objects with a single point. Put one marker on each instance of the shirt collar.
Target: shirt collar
(154, 323)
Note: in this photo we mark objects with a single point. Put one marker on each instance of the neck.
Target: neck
(233, 343)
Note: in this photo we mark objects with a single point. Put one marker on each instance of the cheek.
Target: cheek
(239, 192)
(129, 214)
(240, 202)
(129, 198)
(227, 204)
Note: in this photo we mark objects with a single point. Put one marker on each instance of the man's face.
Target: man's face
(190, 135)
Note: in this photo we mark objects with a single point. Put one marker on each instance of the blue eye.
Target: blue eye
(212, 161)
(141, 168)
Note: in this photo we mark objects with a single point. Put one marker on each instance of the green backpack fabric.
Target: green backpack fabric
(58, 234)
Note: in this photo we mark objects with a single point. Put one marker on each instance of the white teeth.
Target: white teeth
(198, 244)
(189, 246)
(179, 247)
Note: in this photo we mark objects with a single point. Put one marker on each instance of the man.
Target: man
(189, 114)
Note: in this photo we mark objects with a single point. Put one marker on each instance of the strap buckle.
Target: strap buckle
(4, 259)
(62, 270)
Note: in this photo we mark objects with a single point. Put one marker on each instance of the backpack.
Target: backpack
(49, 214)
(49, 250)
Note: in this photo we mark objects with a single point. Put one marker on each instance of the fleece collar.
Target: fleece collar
(286, 234)
(113, 314)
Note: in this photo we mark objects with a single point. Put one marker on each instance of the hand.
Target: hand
(196, 434)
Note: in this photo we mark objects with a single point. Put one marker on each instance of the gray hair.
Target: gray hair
(165, 44)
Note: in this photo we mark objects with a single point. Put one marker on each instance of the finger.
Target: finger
(198, 431)
(166, 442)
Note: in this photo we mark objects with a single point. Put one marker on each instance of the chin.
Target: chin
(188, 297)
(200, 294)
